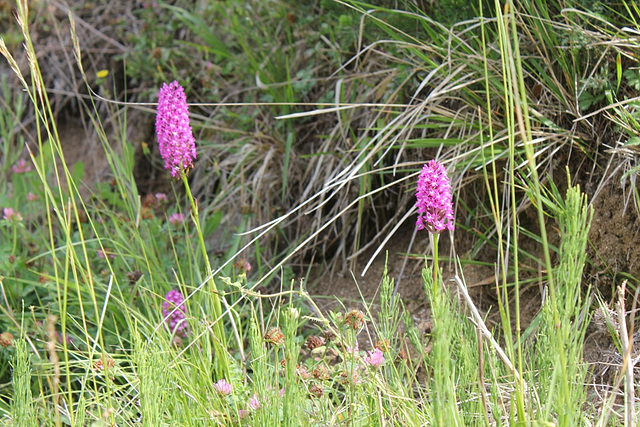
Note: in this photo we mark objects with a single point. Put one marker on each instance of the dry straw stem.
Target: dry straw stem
(479, 322)
(630, 415)
(626, 374)
(54, 380)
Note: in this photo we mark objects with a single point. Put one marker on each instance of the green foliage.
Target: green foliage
(444, 406)
(24, 414)
(154, 385)
(103, 263)
(450, 12)
(560, 340)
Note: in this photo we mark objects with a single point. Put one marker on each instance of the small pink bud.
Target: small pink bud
(11, 215)
(102, 254)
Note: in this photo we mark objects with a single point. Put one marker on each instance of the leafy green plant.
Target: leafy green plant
(85, 279)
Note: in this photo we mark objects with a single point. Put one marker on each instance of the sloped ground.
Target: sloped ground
(613, 249)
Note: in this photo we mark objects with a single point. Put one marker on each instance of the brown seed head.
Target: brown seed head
(314, 342)
(355, 319)
(382, 345)
(6, 339)
(274, 336)
(321, 372)
(316, 390)
(329, 335)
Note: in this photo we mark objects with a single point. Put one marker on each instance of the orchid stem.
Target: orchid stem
(435, 263)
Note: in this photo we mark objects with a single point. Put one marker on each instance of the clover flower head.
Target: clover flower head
(21, 167)
(434, 201)
(175, 317)
(253, 403)
(175, 136)
(106, 253)
(374, 359)
(352, 349)
(176, 218)
(11, 215)
(223, 388)
(161, 197)
(242, 265)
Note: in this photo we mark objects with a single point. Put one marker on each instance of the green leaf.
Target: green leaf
(618, 71)
(199, 27)
(77, 173)
(634, 140)
(212, 222)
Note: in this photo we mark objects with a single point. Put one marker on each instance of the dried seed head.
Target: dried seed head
(274, 336)
(329, 335)
(321, 372)
(316, 390)
(6, 339)
(314, 342)
(355, 319)
(383, 345)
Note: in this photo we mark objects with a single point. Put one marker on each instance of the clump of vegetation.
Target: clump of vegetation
(306, 133)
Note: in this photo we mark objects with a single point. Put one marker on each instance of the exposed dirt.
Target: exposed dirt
(614, 237)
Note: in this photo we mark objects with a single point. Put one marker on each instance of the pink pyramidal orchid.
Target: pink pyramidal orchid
(434, 204)
(174, 313)
(175, 136)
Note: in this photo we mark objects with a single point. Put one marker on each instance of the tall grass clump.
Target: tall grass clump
(103, 273)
